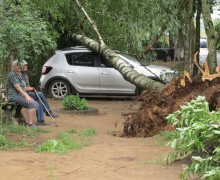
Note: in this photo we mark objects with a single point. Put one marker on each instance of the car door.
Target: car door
(82, 71)
(111, 81)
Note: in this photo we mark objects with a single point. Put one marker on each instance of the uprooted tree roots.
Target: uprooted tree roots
(150, 118)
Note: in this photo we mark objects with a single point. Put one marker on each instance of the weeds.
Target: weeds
(52, 167)
(71, 139)
(6, 131)
(164, 137)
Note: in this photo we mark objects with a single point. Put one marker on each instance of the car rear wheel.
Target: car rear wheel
(58, 89)
(168, 58)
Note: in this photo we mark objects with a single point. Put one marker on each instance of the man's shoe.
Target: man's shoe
(53, 114)
(32, 125)
(42, 123)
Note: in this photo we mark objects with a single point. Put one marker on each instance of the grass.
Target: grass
(67, 140)
(150, 161)
(22, 130)
(164, 137)
(9, 135)
(52, 167)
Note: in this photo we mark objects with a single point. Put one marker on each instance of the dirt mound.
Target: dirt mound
(150, 117)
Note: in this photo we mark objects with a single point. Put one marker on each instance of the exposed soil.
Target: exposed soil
(107, 158)
(150, 117)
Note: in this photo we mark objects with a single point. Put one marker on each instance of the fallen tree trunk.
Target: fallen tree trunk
(119, 64)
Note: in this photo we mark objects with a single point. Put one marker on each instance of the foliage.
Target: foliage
(6, 143)
(125, 24)
(168, 135)
(67, 141)
(197, 131)
(23, 32)
(75, 102)
(7, 130)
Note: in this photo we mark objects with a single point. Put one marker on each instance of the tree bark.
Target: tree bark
(189, 39)
(197, 43)
(119, 64)
(211, 34)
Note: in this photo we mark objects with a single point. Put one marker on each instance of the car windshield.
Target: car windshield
(130, 58)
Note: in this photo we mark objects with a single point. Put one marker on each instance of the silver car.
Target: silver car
(79, 70)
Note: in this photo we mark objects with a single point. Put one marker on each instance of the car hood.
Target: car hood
(152, 71)
(158, 68)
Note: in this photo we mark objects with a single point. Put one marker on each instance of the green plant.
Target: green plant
(197, 131)
(7, 133)
(6, 143)
(75, 102)
(52, 145)
(87, 132)
(52, 170)
(71, 139)
(22, 130)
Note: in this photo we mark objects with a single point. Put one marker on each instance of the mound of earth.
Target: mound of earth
(150, 118)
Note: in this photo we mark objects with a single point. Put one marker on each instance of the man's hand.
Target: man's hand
(29, 88)
(28, 99)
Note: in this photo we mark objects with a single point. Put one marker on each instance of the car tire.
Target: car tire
(58, 89)
(168, 58)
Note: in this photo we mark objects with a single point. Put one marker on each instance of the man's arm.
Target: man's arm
(23, 93)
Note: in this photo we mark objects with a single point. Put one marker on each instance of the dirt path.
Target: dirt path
(107, 158)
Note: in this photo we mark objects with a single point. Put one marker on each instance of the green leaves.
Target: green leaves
(75, 102)
(24, 33)
(198, 130)
(71, 139)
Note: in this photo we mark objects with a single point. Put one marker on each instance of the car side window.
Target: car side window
(105, 62)
(81, 59)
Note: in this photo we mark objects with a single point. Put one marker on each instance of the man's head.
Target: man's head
(24, 65)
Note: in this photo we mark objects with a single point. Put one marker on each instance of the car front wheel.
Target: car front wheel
(58, 89)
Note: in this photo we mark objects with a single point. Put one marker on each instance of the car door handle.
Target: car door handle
(104, 73)
(70, 72)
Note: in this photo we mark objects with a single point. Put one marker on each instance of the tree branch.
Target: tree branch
(91, 22)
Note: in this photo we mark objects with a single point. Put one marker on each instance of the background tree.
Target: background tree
(23, 33)
(123, 24)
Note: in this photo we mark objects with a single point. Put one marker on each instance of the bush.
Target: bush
(75, 102)
(197, 133)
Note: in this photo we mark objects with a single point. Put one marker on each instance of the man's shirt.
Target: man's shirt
(14, 78)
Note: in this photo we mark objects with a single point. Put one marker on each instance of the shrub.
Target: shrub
(75, 102)
(197, 132)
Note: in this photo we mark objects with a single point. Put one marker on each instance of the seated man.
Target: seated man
(42, 108)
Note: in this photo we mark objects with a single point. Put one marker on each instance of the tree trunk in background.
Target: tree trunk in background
(153, 41)
(211, 35)
(197, 43)
(179, 46)
(119, 64)
(189, 39)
